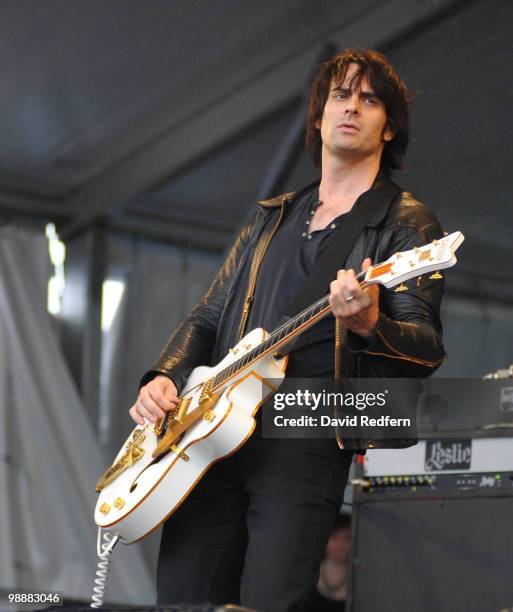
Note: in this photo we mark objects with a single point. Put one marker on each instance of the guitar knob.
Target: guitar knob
(209, 416)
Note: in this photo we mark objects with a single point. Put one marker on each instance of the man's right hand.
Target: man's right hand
(154, 400)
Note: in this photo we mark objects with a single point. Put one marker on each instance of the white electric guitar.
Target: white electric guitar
(159, 464)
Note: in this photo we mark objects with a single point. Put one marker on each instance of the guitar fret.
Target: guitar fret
(276, 337)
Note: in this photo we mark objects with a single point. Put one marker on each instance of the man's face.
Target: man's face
(339, 545)
(354, 120)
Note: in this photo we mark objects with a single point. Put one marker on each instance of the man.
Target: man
(330, 594)
(255, 528)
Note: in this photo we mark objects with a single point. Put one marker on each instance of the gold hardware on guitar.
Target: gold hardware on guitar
(137, 437)
(119, 503)
(180, 453)
(171, 417)
(105, 508)
(209, 416)
(157, 429)
(183, 406)
(205, 392)
(180, 427)
(133, 453)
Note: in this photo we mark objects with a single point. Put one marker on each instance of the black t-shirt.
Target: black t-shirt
(289, 260)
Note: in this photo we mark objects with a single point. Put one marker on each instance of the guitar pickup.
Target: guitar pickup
(183, 408)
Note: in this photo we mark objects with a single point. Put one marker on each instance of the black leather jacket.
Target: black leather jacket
(408, 337)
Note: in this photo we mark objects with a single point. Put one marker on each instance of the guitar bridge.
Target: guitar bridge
(166, 421)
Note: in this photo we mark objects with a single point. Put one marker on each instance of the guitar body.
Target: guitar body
(142, 496)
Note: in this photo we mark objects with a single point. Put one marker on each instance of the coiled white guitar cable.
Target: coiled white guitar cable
(104, 550)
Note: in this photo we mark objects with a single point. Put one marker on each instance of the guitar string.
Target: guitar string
(287, 328)
(274, 338)
(277, 336)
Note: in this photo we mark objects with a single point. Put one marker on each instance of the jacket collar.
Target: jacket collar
(287, 197)
(383, 190)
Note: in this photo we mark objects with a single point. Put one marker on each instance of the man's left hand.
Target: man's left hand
(358, 309)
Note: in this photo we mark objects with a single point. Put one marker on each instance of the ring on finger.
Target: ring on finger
(349, 297)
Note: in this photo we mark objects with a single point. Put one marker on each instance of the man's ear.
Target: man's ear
(388, 135)
(318, 124)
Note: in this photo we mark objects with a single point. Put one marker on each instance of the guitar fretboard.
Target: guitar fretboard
(279, 337)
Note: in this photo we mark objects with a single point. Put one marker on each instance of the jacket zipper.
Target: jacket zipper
(253, 278)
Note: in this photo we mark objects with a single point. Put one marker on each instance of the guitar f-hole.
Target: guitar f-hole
(154, 462)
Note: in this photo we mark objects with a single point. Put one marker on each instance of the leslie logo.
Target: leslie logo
(448, 455)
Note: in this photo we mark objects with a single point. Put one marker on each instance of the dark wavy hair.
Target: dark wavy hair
(387, 85)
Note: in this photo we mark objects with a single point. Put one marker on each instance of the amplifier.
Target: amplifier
(444, 456)
(432, 528)
(433, 549)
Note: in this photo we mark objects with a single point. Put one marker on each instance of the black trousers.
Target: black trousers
(255, 528)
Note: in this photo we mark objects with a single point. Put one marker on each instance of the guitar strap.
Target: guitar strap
(334, 252)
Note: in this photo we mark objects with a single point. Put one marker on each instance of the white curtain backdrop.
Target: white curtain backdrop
(49, 457)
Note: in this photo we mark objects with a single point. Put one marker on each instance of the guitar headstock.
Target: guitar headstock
(436, 255)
